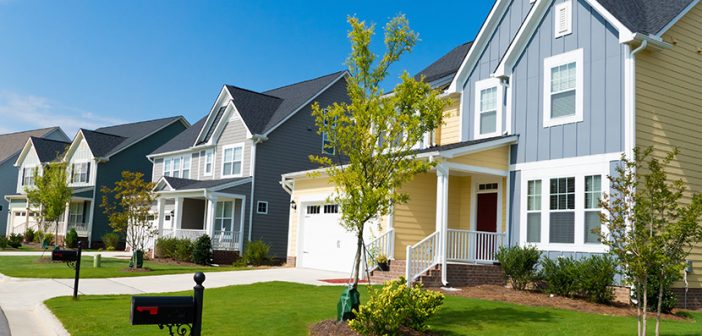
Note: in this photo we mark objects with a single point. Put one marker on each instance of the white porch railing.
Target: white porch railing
(189, 234)
(422, 256)
(473, 246)
(81, 229)
(226, 240)
(384, 244)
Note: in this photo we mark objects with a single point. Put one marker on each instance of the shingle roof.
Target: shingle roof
(12, 143)
(645, 16)
(187, 184)
(105, 140)
(447, 65)
(461, 144)
(49, 150)
(255, 108)
(183, 140)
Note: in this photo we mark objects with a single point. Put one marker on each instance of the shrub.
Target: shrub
(111, 240)
(519, 264)
(72, 239)
(669, 298)
(394, 306)
(202, 250)
(48, 238)
(256, 252)
(29, 235)
(38, 237)
(561, 276)
(165, 247)
(596, 278)
(3, 242)
(15, 240)
(184, 250)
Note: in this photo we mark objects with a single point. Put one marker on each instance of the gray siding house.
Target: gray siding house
(221, 176)
(10, 147)
(95, 158)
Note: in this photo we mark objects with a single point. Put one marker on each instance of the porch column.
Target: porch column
(66, 216)
(178, 213)
(209, 221)
(161, 208)
(442, 185)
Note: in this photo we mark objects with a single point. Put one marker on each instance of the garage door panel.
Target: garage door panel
(326, 244)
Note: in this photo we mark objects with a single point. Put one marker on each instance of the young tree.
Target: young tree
(649, 229)
(374, 134)
(50, 194)
(127, 207)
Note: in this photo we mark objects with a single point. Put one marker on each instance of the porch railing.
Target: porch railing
(473, 246)
(81, 228)
(422, 256)
(383, 244)
(226, 240)
(187, 233)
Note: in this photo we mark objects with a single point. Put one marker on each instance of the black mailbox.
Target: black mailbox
(64, 255)
(162, 310)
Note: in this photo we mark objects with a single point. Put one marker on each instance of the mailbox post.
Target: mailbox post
(182, 315)
(72, 260)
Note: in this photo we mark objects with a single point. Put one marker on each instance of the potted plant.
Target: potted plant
(382, 261)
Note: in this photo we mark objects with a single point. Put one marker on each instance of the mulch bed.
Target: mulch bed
(336, 328)
(529, 298)
(343, 281)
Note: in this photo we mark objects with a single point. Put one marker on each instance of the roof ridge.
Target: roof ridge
(103, 133)
(140, 122)
(252, 91)
(32, 130)
(307, 80)
(45, 139)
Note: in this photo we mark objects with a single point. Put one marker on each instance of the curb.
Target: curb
(4, 325)
(52, 322)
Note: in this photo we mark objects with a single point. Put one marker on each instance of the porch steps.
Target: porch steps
(458, 275)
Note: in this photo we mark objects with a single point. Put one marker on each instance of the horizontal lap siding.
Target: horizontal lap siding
(668, 115)
(494, 158)
(234, 132)
(416, 219)
(450, 131)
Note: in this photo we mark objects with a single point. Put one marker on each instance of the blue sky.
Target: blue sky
(95, 63)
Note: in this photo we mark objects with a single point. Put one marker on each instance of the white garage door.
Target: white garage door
(326, 245)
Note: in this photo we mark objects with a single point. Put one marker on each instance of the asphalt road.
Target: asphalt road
(4, 326)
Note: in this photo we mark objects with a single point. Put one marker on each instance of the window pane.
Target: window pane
(228, 154)
(218, 212)
(534, 227)
(237, 168)
(562, 227)
(488, 122)
(227, 169)
(488, 99)
(228, 209)
(237, 154)
(563, 104)
(592, 227)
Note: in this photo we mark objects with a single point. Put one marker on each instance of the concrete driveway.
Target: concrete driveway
(22, 299)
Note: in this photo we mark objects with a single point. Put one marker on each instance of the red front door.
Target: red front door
(486, 220)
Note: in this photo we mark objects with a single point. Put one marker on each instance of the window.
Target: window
(488, 186)
(488, 107)
(563, 19)
(562, 214)
(28, 176)
(563, 88)
(232, 161)
(593, 193)
(331, 209)
(223, 216)
(262, 208)
(186, 167)
(313, 209)
(75, 213)
(167, 167)
(80, 172)
(178, 166)
(209, 158)
(534, 212)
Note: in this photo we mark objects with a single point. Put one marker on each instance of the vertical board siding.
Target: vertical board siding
(82, 153)
(668, 101)
(234, 132)
(515, 208)
(602, 128)
(450, 131)
(497, 45)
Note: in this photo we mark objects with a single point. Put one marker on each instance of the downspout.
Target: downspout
(256, 138)
(631, 97)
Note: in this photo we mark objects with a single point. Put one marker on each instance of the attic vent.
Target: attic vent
(563, 19)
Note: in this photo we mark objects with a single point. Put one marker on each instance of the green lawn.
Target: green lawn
(278, 308)
(32, 267)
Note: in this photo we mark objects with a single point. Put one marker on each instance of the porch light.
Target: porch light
(293, 205)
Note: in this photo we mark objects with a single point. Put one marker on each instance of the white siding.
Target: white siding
(83, 154)
(30, 161)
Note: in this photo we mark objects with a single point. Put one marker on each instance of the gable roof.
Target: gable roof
(188, 184)
(256, 109)
(645, 16)
(12, 143)
(130, 133)
(445, 68)
(49, 150)
(183, 140)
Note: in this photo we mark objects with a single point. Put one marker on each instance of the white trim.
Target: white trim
(191, 149)
(566, 6)
(452, 153)
(475, 169)
(211, 153)
(221, 100)
(241, 161)
(476, 181)
(567, 163)
(575, 56)
(480, 86)
(258, 204)
(678, 17)
(507, 87)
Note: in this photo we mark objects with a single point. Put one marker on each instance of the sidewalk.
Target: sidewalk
(22, 299)
(105, 254)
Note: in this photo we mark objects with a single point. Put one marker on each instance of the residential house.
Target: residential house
(221, 177)
(549, 97)
(95, 158)
(10, 148)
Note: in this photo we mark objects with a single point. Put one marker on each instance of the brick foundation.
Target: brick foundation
(464, 275)
(622, 294)
(694, 298)
(291, 262)
(224, 257)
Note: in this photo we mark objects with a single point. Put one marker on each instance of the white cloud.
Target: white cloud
(19, 112)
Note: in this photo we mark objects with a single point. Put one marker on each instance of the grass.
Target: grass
(33, 267)
(278, 308)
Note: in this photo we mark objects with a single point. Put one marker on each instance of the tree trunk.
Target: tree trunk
(661, 288)
(357, 261)
(638, 308)
(645, 307)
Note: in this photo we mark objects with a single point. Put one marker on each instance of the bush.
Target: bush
(669, 298)
(48, 238)
(183, 250)
(256, 253)
(561, 276)
(3, 242)
(15, 240)
(72, 239)
(596, 278)
(29, 235)
(202, 250)
(111, 240)
(38, 237)
(394, 306)
(165, 247)
(519, 264)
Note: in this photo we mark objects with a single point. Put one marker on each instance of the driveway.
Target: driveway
(22, 299)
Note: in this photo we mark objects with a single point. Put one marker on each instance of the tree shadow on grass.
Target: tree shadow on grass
(478, 318)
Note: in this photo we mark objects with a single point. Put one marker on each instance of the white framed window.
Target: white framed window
(593, 194)
(224, 216)
(75, 213)
(167, 167)
(232, 160)
(28, 176)
(262, 208)
(533, 222)
(209, 162)
(177, 166)
(80, 172)
(563, 88)
(488, 108)
(186, 166)
(563, 19)
(562, 210)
